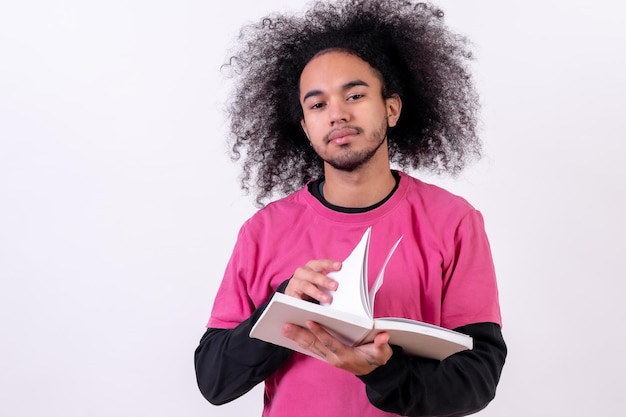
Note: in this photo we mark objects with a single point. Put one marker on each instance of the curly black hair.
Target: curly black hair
(419, 58)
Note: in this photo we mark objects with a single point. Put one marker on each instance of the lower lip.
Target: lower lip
(341, 140)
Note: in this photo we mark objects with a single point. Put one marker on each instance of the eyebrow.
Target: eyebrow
(346, 86)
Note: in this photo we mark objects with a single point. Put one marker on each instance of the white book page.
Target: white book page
(424, 339)
(379, 279)
(351, 279)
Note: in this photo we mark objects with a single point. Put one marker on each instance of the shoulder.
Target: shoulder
(433, 199)
(279, 214)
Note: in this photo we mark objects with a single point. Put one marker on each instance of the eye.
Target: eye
(355, 96)
(317, 106)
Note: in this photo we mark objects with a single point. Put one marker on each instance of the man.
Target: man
(325, 103)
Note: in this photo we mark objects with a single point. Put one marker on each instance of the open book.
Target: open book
(349, 316)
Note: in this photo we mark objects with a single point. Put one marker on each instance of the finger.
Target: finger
(303, 337)
(325, 343)
(309, 283)
(359, 360)
(316, 271)
(306, 290)
(322, 335)
(323, 265)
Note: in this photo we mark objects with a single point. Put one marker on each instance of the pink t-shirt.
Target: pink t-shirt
(441, 273)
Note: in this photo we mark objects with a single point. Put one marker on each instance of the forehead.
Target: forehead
(333, 69)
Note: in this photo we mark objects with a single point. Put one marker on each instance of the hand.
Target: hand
(358, 360)
(310, 282)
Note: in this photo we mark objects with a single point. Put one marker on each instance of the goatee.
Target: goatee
(351, 160)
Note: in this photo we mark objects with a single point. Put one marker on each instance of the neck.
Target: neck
(359, 188)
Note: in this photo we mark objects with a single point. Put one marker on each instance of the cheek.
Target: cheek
(311, 127)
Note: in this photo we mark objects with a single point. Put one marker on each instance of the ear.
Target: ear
(394, 108)
(303, 124)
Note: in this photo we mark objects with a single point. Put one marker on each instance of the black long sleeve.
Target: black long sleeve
(229, 362)
(461, 384)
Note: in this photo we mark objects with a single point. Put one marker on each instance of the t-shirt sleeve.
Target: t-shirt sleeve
(232, 303)
(470, 292)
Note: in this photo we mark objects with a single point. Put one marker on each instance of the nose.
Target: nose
(338, 112)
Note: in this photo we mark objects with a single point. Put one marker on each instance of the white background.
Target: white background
(119, 206)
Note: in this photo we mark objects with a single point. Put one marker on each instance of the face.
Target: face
(345, 115)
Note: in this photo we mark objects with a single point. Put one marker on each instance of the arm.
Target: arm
(229, 363)
(462, 384)
(413, 386)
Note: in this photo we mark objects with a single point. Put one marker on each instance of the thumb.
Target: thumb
(381, 339)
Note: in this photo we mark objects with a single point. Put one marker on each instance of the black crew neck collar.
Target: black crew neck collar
(315, 188)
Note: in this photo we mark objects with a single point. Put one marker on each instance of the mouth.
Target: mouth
(341, 135)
